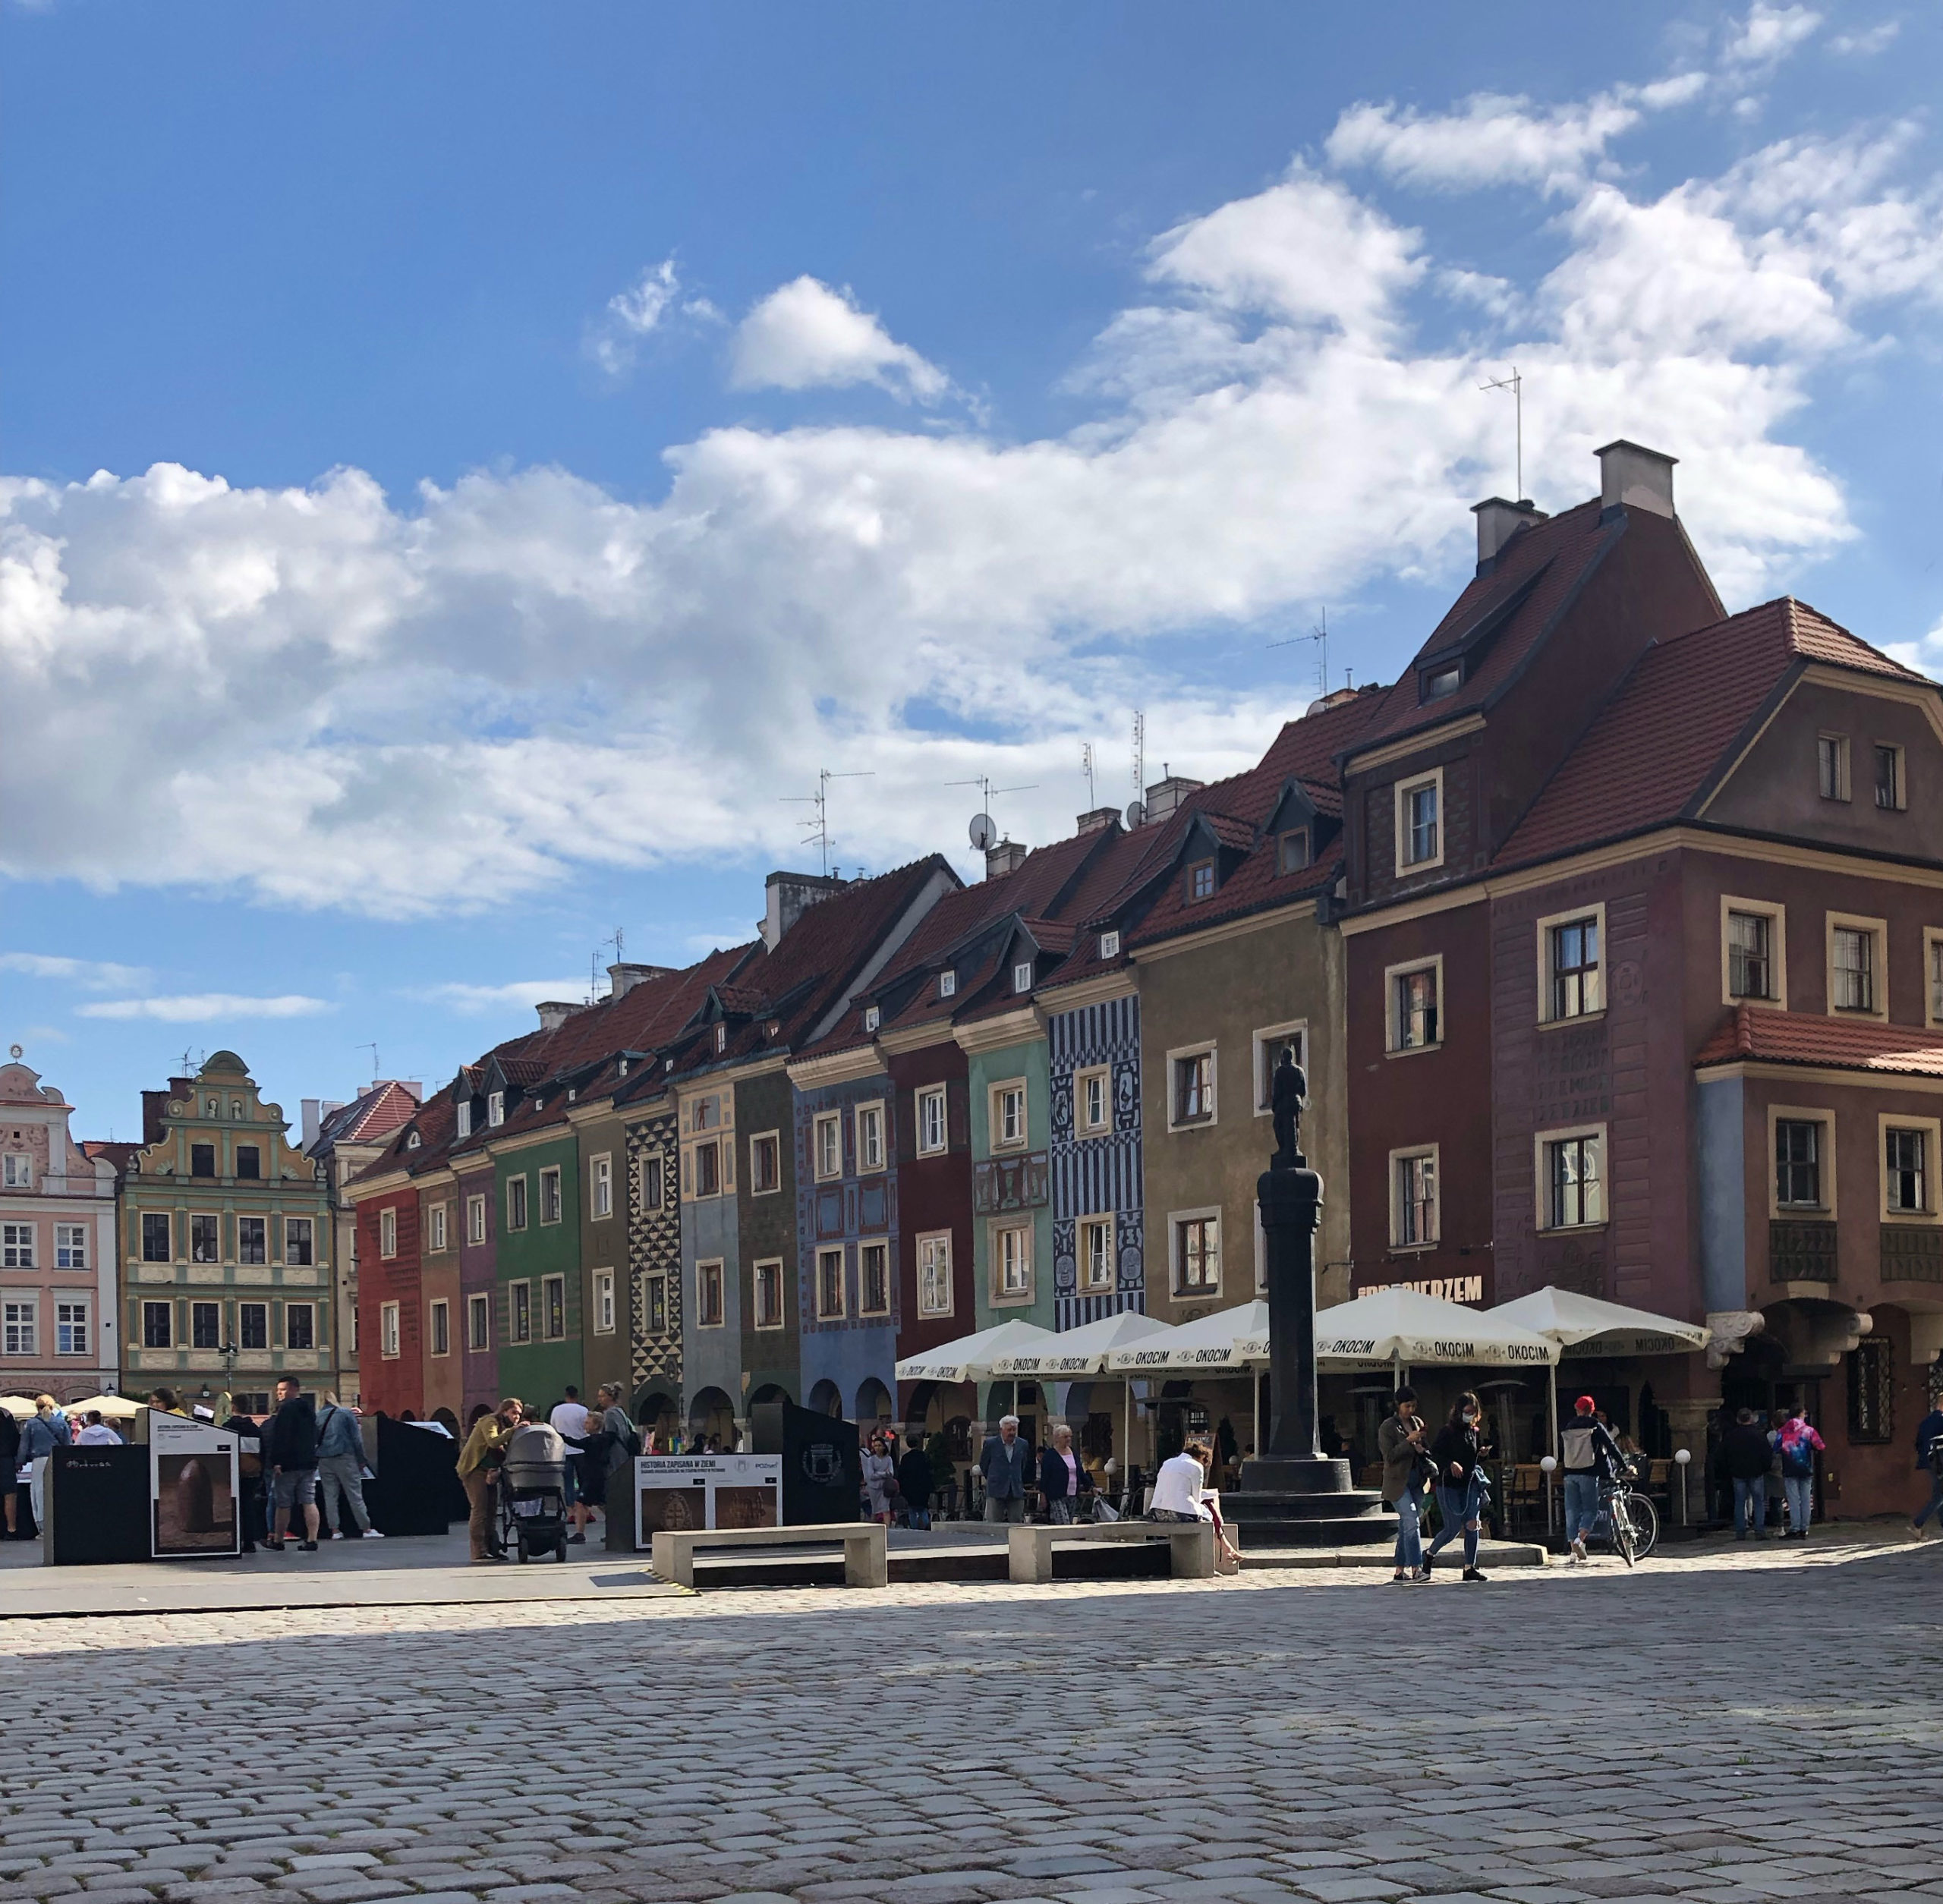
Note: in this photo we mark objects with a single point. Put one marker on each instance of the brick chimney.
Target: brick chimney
(1008, 856)
(1097, 821)
(1164, 797)
(623, 979)
(1498, 521)
(1634, 478)
(555, 1012)
(790, 895)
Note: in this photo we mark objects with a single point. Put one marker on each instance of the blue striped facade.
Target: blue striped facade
(1097, 1176)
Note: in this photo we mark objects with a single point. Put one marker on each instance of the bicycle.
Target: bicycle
(1632, 1523)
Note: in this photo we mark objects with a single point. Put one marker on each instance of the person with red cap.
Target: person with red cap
(1589, 1456)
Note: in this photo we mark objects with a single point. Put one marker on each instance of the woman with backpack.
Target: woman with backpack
(1797, 1445)
(1461, 1484)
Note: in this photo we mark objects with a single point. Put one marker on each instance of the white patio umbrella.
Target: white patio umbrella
(970, 1357)
(1083, 1351)
(1230, 1339)
(1583, 1325)
(1405, 1327)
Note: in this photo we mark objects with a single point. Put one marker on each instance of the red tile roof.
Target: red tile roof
(1674, 722)
(1751, 1032)
(370, 1115)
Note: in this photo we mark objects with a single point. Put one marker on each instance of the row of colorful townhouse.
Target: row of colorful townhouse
(1609, 934)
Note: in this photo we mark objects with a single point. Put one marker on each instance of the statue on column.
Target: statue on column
(1288, 1091)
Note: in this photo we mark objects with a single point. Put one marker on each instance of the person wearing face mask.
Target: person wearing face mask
(1461, 1484)
(1399, 1441)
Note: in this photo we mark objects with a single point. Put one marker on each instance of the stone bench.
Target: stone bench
(866, 1561)
(1029, 1550)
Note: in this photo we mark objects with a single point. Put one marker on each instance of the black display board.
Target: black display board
(823, 1461)
(415, 1486)
(97, 1506)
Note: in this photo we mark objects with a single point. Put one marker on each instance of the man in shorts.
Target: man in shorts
(292, 1455)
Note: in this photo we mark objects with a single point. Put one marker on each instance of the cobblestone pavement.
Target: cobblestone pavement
(1717, 1728)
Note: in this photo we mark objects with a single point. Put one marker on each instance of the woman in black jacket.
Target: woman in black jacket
(1062, 1479)
(1459, 1483)
(913, 1483)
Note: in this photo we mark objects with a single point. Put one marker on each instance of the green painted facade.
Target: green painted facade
(995, 1204)
(538, 1269)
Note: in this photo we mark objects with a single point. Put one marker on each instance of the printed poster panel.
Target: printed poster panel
(192, 1489)
(678, 1493)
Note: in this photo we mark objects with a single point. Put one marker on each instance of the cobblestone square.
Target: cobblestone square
(1719, 1728)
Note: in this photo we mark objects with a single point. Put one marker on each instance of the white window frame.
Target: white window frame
(167, 1219)
(947, 984)
(388, 1232)
(1899, 767)
(438, 1321)
(1100, 1223)
(167, 1311)
(70, 1314)
(1191, 880)
(1571, 915)
(710, 1268)
(552, 1283)
(872, 1017)
(523, 1197)
(996, 1096)
(826, 1146)
(18, 1246)
(70, 1246)
(1931, 1130)
(262, 1312)
(1408, 868)
(933, 1262)
(830, 1299)
(478, 1323)
(1021, 976)
(441, 1228)
(869, 1118)
(1084, 1124)
(926, 1095)
(213, 1310)
(519, 1311)
(388, 1331)
(496, 1109)
(475, 1220)
(1402, 1154)
(16, 1170)
(20, 1324)
(300, 1242)
(1020, 1265)
(605, 1310)
(1265, 1051)
(1286, 864)
(253, 1238)
(462, 1117)
(1879, 966)
(1393, 976)
(290, 1309)
(774, 1140)
(648, 1281)
(772, 1267)
(1819, 1114)
(1110, 944)
(864, 1306)
(550, 1182)
(1777, 916)
(1177, 1220)
(691, 1168)
(1207, 1049)
(1541, 1143)
(1843, 789)
(1932, 975)
(600, 1186)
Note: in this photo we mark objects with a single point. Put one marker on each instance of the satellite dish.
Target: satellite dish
(984, 835)
(1136, 814)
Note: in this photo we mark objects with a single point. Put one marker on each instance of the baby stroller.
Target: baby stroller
(533, 1493)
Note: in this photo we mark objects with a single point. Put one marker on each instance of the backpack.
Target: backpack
(1797, 1457)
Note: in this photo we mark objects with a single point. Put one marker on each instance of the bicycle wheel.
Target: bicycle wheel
(1617, 1512)
(1646, 1522)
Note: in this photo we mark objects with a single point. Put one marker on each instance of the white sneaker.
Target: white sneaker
(1579, 1551)
(372, 1533)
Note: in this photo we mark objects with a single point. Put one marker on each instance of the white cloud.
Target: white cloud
(653, 299)
(452, 700)
(96, 975)
(198, 1007)
(526, 992)
(1872, 39)
(1491, 139)
(1769, 34)
(804, 335)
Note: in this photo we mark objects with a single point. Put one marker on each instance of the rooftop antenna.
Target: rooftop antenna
(1086, 768)
(983, 826)
(819, 824)
(1139, 752)
(1319, 634)
(1516, 385)
(371, 1047)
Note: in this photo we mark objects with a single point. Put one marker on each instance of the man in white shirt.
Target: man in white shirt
(569, 1418)
(97, 1434)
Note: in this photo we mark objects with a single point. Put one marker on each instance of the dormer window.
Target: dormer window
(411, 1142)
(621, 1069)
(947, 984)
(721, 1037)
(1021, 976)
(1200, 881)
(465, 1116)
(1440, 682)
(872, 1017)
(1110, 944)
(496, 1109)
(1292, 850)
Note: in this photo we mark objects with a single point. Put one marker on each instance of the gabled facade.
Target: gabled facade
(58, 1319)
(226, 1245)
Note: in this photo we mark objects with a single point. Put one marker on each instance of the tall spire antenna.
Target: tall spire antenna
(819, 802)
(1139, 752)
(1516, 385)
(1319, 634)
(371, 1047)
(1086, 768)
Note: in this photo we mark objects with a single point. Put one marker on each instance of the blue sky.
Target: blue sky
(462, 472)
